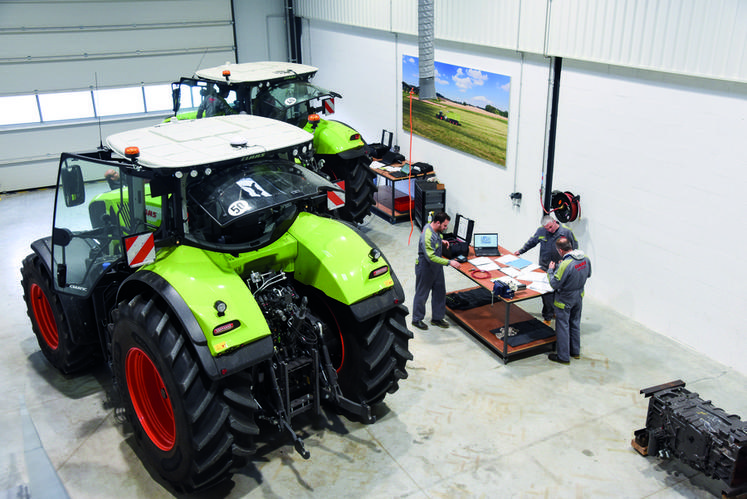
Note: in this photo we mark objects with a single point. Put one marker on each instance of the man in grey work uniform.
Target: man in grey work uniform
(568, 279)
(429, 273)
(546, 236)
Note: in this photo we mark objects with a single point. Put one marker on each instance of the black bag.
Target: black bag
(455, 249)
(457, 245)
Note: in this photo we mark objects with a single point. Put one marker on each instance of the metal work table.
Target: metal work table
(479, 321)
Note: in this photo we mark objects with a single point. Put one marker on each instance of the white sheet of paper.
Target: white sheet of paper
(534, 277)
(510, 271)
(480, 260)
(487, 267)
(540, 287)
(530, 267)
(505, 259)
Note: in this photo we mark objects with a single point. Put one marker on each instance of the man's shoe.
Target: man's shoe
(554, 357)
(440, 323)
(420, 325)
(577, 356)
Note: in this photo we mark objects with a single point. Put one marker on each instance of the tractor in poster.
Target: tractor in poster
(199, 261)
(282, 91)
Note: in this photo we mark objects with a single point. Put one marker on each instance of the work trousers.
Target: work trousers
(548, 307)
(429, 279)
(568, 329)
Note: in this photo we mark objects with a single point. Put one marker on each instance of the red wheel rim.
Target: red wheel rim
(150, 399)
(44, 317)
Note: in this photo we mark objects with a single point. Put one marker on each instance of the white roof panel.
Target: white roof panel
(186, 143)
(255, 71)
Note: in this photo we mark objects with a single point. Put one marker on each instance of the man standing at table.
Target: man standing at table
(429, 273)
(568, 279)
(546, 236)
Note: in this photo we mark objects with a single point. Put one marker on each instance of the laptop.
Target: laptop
(486, 244)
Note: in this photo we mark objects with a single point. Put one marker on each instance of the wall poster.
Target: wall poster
(470, 112)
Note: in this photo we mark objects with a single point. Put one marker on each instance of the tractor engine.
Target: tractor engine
(297, 336)
(294, 329)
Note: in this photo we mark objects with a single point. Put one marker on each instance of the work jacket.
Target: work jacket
(546, 239)
(569, 277)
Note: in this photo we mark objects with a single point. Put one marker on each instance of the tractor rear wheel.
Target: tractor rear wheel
(49, 323)
(359, 185)
(370, 357)
(178, 415)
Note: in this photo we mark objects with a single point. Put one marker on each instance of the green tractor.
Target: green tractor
(199, 261)
(281, 91)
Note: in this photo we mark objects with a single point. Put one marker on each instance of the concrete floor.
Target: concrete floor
(462, 425)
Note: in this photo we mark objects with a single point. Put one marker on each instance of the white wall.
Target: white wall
(365, 67)
(658, 161)
(260, 30)
(660, 165)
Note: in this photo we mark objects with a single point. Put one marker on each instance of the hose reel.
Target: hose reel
(565, 206)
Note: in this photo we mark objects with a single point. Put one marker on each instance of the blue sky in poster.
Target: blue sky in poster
(462, 84)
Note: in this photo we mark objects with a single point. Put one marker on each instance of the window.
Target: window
(25, 109)
(19, 109)
(158, 98)
(65, 106)
(115, 101)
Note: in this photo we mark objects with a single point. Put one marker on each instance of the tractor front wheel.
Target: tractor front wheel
(177, 413)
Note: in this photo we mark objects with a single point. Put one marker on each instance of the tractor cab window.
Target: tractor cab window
(86, 235)
(291, 102)
(94, 209)
(202, 99)
(250, 204)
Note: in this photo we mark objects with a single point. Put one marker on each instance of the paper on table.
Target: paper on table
(519, 263)
(540, 287)
(530, 267)
(487, 267)
(377, 164)
(533, 276)
(480, 260)
(510, 271)
(505, 259)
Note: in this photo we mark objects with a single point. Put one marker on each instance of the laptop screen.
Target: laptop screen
(486, 240)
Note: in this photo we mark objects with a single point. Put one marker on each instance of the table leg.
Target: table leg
(505, 334)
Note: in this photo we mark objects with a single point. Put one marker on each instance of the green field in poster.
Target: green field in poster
(476, 132)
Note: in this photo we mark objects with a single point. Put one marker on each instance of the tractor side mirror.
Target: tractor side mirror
(73, 188)
(176, 91)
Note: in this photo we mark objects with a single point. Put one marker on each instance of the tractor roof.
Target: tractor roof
(257, 72)
(188, 143)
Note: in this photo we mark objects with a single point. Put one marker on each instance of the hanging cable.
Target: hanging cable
(409, 174)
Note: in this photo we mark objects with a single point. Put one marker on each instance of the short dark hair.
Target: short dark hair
(441, 217)
(563, 243)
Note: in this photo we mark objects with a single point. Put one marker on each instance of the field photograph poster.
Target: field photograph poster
(469, 113)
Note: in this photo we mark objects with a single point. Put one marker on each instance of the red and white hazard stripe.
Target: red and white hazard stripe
(141, 249)
(336, 199)
(329, 106)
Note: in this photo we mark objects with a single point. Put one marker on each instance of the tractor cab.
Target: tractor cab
(276, 90)
(199, 183)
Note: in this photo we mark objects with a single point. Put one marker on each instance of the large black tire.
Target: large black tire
(178, 414)
(49, 323)
(370, 357)
(359, 185)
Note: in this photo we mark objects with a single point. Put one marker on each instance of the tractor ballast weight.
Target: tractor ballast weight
(282, 91)
(681, 425)
(205, 269)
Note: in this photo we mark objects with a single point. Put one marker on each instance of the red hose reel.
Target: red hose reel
(565, 206)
